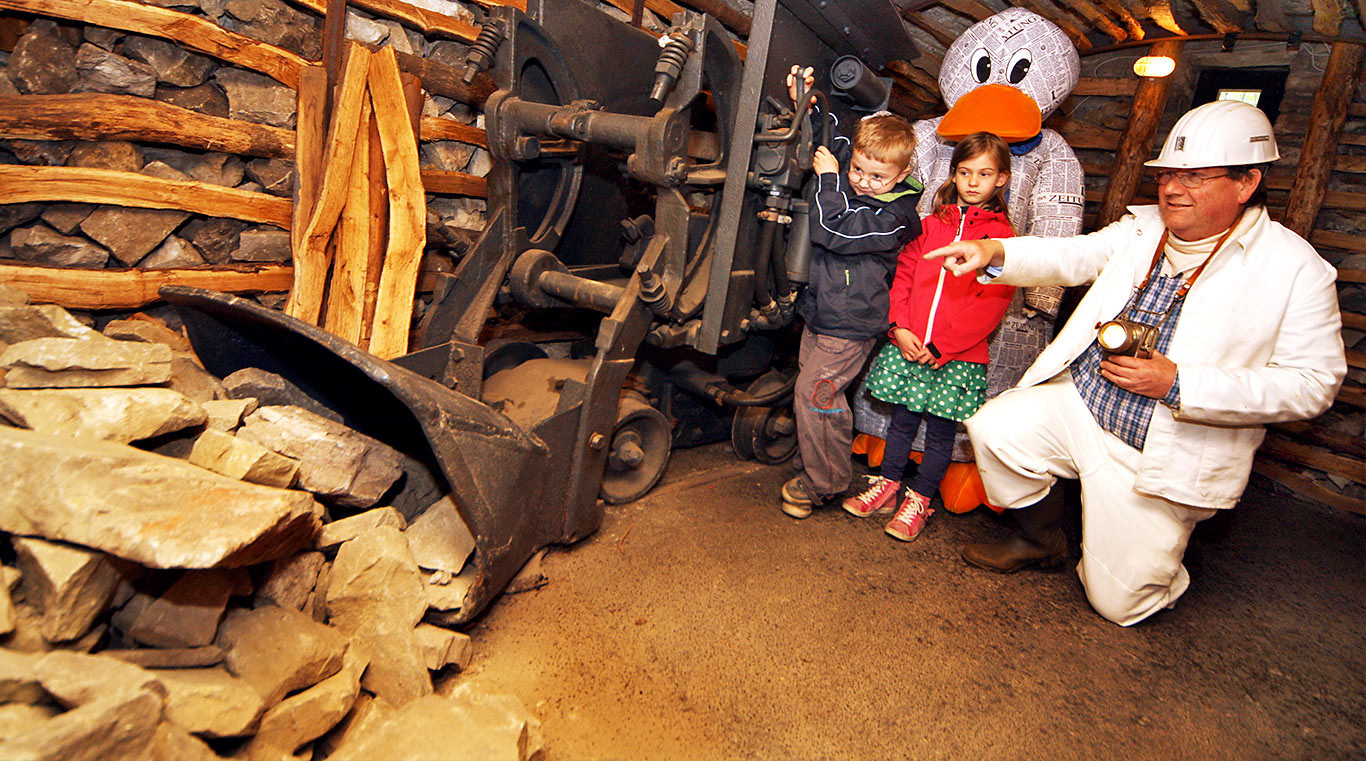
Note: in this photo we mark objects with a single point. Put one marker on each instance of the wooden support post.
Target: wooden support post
(310, 127)
(1150, 99)
(351, 264)
(407, 209)
(1326, 118)
(310, 251)
(379, 229)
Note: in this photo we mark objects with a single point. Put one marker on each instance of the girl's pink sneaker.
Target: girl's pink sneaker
(877, 498)
(910, 517)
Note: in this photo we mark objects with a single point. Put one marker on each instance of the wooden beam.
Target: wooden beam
(1306, 486)
(1098, 19)
(1350, 164)
(350, 263)
(1063, 21)
(1354, 321)
(1327, 16)
(439, 79)
(22, 184)
(1356, 358)
(1150, 100)
(1082, 134)
(94, 116)
(1320, 148)
(1270, 16)
(939, 33)
(133, 288)
(442, 182)
(434, 128)
(1303, 454)
(310, 124)
(1219, 14)
(1107, 86)
(731, 18)
(407, 210)
(192, 32)
(437, 24)
(310, 246)
(1126, 17)
(1308, 431)
(1340, 241)
(1353, 395)
(1160, 11)
(970, 8)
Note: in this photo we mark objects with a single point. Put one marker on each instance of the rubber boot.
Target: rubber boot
(1040, 540)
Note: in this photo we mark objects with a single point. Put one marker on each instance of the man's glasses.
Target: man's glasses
(1189, 179)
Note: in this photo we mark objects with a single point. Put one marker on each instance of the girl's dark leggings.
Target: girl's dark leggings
(939, 433)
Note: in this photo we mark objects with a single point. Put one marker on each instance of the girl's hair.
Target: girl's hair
(970, 147)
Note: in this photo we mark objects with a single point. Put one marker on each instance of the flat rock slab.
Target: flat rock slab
(211, 702)
(335, 462)
(352, 526)
(76, 679)
(440, 539)
(72, 586)
(154, 510)
(169, 657)
(187, 614)
(306, 716)
(118, 727)
(122, 415)
(280, 650)
(464, 725)
(71, 362)
(230, 456)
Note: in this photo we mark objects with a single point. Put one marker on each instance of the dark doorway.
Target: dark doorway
(1262, 86)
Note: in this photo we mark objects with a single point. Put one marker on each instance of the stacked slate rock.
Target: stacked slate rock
(174, 585)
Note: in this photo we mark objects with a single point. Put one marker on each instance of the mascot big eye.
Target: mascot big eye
(1002, 75)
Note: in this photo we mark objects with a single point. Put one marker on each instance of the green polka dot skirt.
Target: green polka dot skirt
(954, 391)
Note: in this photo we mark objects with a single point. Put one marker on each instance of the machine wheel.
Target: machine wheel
(766, 434)
(639, 451)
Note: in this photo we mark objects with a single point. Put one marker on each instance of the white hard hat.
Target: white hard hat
(1220, 133)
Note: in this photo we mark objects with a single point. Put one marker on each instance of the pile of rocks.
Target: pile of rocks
(179, 579)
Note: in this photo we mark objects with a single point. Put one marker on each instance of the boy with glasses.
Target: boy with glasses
(860, 219)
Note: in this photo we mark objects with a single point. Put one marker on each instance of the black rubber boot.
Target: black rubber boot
(1040, 540)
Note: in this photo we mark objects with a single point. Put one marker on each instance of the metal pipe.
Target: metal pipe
(581, 291)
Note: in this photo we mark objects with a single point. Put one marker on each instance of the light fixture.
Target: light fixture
(1155, 66)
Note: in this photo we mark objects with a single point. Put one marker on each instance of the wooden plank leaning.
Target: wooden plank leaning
(407, 209)
(310, 247)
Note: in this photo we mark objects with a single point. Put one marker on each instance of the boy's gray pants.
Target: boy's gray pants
(825, 424)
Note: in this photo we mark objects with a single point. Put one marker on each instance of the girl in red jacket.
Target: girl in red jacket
(935, 368)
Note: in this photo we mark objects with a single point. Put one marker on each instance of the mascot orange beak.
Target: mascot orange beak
(999, 109)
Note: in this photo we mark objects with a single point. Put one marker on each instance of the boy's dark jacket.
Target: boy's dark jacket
(854, 245)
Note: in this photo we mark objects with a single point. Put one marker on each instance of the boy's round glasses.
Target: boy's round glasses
(1189, 179)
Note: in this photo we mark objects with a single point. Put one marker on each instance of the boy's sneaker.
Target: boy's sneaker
(878, 499)
(798, 499)
(910, 517)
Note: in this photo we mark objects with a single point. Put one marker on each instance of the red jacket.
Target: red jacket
(966, 311)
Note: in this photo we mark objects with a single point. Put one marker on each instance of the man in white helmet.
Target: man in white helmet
(1205, 320)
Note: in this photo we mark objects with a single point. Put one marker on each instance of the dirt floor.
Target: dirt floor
(702, 623)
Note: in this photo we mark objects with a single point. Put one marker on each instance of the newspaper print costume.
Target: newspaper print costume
(1019, 49)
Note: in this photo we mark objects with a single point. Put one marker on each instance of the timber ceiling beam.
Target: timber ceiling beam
(96, 116)
(197, 34)
(1219, 14)
(431, 22)
(23, 184)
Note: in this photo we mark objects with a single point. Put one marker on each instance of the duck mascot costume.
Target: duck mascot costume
(1003, 75)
